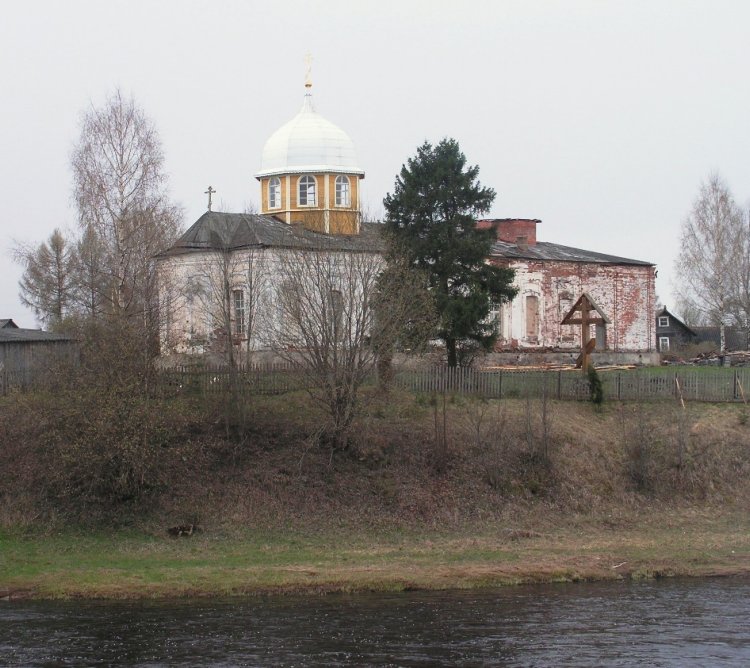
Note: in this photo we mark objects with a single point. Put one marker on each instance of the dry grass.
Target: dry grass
(628, 491)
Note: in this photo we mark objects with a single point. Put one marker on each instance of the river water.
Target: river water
(656, 623)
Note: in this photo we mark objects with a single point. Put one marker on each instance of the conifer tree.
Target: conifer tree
(46, 284)
(431, 219)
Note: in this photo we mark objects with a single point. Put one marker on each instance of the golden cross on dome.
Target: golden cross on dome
(308, 70)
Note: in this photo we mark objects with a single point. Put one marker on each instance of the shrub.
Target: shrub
(596, 391)
(99, 436)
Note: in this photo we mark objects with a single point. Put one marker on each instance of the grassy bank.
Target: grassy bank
(427, 495)
(557, 549)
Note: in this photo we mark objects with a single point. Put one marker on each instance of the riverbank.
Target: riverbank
(427, 495)
(130, 565)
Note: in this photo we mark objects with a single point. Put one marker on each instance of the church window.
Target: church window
(532, 317)
(307, 191)
(238, 300)
(274, 193)
(342, 191)
(496, 317)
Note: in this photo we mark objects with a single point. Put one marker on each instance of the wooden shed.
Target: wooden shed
(25, 354)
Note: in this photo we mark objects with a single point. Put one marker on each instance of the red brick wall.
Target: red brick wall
(625, 293)
(510, 229)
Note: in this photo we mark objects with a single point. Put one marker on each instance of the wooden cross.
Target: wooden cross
(209, 192)
(581, 314)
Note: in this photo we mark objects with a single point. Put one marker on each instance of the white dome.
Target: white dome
(308, 143)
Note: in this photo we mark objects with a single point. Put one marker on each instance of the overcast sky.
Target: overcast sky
(599, 118)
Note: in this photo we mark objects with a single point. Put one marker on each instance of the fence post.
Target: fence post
(734, 386)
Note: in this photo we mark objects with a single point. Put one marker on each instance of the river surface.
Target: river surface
(657, 623)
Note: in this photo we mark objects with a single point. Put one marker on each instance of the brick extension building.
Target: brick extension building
(551, 277)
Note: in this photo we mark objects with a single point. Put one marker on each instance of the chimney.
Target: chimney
(512, 230)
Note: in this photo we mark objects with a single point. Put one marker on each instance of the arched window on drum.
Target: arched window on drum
(343, 196)
(307, 191)
(274, 193)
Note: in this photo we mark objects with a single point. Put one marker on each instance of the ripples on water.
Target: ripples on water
(666, 623)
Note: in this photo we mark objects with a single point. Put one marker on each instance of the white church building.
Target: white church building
(220, 282)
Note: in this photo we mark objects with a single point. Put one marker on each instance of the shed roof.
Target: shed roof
(17, 334)
(7, 322)
(233, 231)
(544, 250)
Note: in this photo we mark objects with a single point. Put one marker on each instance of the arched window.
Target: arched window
(342, 191)
(274, 193)
(532, 318)
(307, 191)
(238, 299)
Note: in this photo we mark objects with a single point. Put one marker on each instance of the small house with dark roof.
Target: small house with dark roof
(671, 333)
(25, 354)
(551, 277)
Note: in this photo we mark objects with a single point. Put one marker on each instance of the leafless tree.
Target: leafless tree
(120, 192)
(326, 313)
(230, 286)
(46, 285)
(713, 248)
(691, 315)
(740, 274)
(333, 315)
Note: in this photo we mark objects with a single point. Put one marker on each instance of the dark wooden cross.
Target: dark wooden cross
(585, 313)
(209, 192)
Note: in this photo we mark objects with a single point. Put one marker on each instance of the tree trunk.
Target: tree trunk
(450, 346)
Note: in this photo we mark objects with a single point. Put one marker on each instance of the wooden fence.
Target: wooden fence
(272, 378)
(689, 383)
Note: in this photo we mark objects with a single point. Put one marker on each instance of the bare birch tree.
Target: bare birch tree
(712, 251)
(120, 192)
(740, 274)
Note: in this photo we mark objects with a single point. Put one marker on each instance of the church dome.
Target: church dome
(309, 143)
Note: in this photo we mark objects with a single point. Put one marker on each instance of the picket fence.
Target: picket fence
(271, 378)
(688, 383)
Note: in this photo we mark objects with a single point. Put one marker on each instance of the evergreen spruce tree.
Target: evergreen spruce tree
(431, 219)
